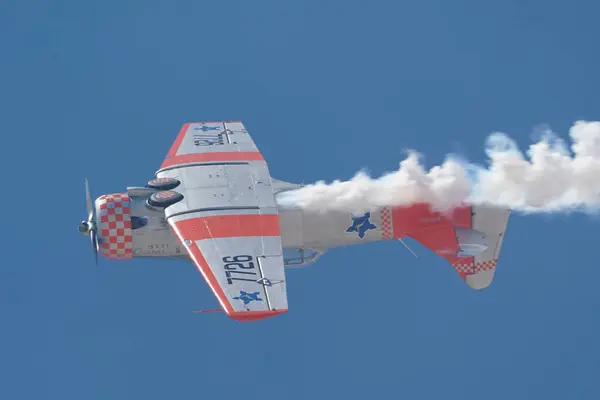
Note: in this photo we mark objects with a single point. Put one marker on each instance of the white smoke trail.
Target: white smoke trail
(549, 179)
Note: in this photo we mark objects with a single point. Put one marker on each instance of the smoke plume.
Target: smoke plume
(548, 178)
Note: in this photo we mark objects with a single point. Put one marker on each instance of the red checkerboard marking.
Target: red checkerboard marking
(473, 268)
(114, 221)
(386, 223)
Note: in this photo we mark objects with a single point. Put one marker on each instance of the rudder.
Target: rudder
(492, 222)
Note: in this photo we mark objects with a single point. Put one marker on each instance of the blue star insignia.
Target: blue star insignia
(361, 225)
(205, 128)
(248, 297)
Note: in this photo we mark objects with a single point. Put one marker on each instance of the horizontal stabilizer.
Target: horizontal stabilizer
(470, 238)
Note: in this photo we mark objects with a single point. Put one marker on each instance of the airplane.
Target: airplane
(213, 202)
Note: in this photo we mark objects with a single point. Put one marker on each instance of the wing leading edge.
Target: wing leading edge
(228, 220)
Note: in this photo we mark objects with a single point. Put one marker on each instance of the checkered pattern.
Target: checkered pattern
(115, 226)
(386, 223)
(472, 268)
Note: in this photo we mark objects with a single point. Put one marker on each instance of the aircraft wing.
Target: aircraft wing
(228, 220)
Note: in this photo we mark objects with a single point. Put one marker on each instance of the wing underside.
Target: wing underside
(228, 220)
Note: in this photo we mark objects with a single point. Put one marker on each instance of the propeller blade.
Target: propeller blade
(94, 240)
(89, 227)
(88, 201)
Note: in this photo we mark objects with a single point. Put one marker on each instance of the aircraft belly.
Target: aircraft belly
(151, 234)
(291, 228)
(331, 229)
(157, 244)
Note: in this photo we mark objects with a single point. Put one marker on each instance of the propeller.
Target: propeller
(88, 227)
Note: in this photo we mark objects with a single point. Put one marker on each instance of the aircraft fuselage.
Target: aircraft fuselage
(304, 235)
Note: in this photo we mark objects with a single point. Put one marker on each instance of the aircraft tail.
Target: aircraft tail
(470, 239)
(492, 223)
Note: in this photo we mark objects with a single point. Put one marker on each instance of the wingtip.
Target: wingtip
(249, 316)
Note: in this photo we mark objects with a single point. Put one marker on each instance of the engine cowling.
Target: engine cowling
(114, 226)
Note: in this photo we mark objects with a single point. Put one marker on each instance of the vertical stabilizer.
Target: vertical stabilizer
(492, 222)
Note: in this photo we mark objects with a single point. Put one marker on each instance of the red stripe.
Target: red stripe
(215, 122)
(222, 226)
(210, 157)
(177, 143)
(255, 315)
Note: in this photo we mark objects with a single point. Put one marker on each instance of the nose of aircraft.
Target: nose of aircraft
(83, 227)
(114, 226)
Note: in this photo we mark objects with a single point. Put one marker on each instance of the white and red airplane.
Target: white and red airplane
(213, 202)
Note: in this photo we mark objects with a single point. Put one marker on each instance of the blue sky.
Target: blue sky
(100, 89)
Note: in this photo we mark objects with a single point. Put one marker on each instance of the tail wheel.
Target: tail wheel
(163, 183)
(164, 199)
